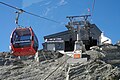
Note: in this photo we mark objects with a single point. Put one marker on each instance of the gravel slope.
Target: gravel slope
(98, 67)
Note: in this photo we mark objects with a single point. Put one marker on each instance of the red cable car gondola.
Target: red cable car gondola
(23, 42)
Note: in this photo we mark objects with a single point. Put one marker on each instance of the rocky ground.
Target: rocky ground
(104, 64)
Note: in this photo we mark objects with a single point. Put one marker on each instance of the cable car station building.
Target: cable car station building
(89, 35)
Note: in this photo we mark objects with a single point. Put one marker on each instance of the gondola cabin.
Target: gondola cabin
(23, 42)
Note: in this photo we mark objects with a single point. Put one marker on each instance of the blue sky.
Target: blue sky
(106, 16)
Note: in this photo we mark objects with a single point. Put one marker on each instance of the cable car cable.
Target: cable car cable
(11, 6)
(56, 68)
(93, 6)
(92, 10)
(31, 13)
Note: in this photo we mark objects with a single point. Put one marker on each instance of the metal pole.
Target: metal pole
(78, 33)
